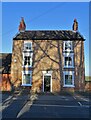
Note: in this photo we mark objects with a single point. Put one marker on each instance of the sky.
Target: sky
(44, 16)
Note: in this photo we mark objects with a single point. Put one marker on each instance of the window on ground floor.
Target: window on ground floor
(26, 78)
(68, 78)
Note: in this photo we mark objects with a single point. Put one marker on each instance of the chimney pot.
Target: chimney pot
(75, 25)
(22, 25)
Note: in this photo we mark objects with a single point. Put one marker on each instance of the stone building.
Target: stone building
(48, 60)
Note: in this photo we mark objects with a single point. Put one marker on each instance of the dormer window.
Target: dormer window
(67, 46)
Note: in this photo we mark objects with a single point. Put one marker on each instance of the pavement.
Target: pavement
(46, 105)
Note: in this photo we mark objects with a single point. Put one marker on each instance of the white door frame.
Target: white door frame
(49, 73)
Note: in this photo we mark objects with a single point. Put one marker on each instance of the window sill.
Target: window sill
(68, 66)
(27, 50)
(69, 86)
(67, 50)
(68, 54)
(26, 85)
(27, 66)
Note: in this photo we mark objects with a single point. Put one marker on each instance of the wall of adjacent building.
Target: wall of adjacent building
(5, 84)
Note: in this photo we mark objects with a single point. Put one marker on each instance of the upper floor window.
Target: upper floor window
(67, 46)
(68, 60)
(27, 45)
(27, 59)
(27, 54)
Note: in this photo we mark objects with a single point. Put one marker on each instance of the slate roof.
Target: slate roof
(5, 62)
(49, 35)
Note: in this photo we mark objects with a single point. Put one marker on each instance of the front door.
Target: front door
(47, 82)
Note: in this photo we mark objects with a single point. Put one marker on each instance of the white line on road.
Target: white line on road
(82, 98)
(85, 99)
(59, 105)
(9, 98)
(74, 98)
(24, 109)
(80, 103)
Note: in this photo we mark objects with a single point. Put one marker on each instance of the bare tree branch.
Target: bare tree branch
(44, 51)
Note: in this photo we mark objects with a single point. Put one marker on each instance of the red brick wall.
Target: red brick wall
(5, 82)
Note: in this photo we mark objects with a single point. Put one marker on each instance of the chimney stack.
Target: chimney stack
(75, 25)
(22, 25)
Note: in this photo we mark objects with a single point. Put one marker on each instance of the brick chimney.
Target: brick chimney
(22, 25)
(75, 25)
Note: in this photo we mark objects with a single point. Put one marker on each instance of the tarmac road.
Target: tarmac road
(56, 106)
(48, 106)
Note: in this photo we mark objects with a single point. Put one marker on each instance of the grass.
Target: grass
(88, 78)
(7, 92)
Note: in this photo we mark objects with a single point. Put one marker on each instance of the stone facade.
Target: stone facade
(45, 61)
(48, 56)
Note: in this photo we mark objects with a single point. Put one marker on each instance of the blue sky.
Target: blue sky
(44, 16)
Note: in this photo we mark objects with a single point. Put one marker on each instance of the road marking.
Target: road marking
(24, 109)
(87, 100)
(58, 105)
(14, 98)
(80, 103)
(74, 98)
(83, 98)
(9, 98)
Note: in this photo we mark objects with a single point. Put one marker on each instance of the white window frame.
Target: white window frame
(64, 42)
(26, 72)
(68, 73)
(31, 60)
(72, 57)
(29, 43)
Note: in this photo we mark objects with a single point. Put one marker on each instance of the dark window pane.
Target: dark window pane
(68, 61)
(68, 79)
(26, 79)
(68, 46)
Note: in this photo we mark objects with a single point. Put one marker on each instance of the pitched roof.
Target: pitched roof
(49, 35)
(5, 62)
